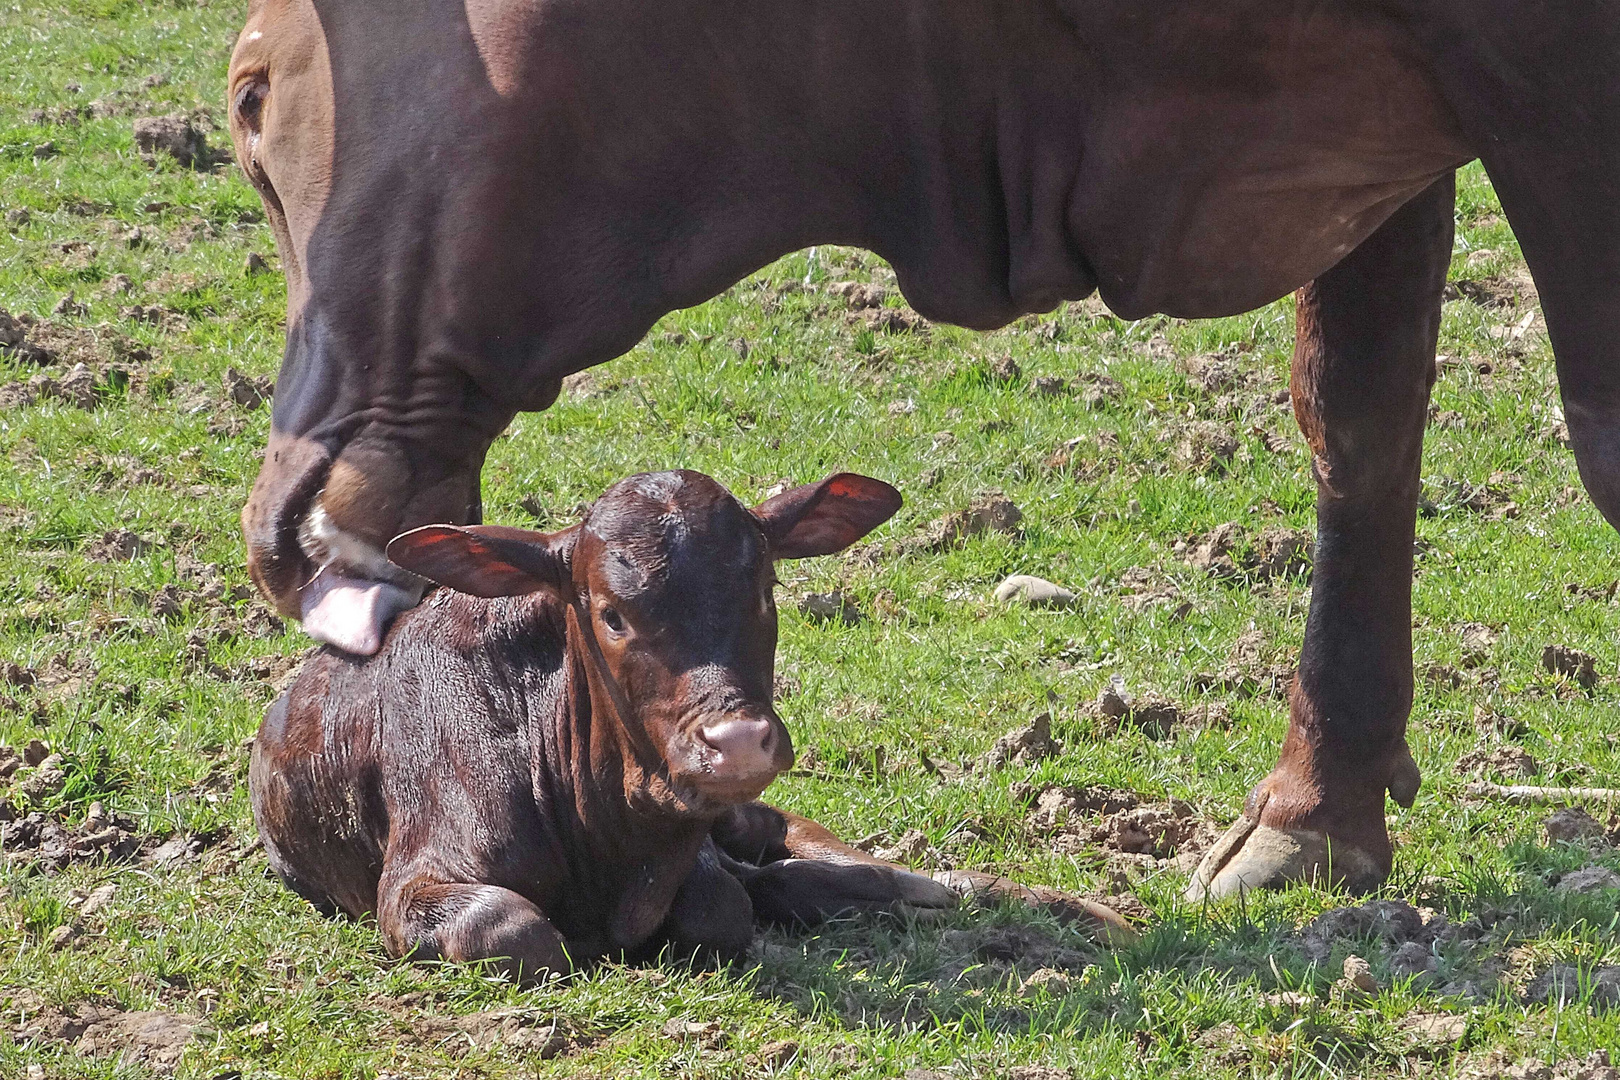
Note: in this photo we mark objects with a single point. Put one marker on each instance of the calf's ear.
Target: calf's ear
(819, 519)
(486, 560)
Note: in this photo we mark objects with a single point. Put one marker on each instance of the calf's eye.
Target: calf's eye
(612, 621)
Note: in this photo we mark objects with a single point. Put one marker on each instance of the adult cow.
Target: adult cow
(475, 198)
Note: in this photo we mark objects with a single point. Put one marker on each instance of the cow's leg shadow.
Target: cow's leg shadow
(1363, 366)
(433, 920)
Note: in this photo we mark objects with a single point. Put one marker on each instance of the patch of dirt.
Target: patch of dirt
(119, 545)
(857, 294)
(1573, 664)
(1390, 923)
(1589, 879)
(1446, 494)
(524, 1030)
(1006, 949)
(1566, 983)
(1083, 457)
(989, 512)
(1153, 714)
(1230, 553)
(1511, 290)
(1120, 823)
(144, 1037)
(1026, 745)
(175, 135)
(1144, 587)
(41, 842)
(831, 607)
(249, 393)
(1199, 444)
(1499, 1064)
(893, 320)
(1572, 825)
(1498, 761)
(1251, 670)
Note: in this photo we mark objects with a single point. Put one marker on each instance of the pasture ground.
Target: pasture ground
(133, 648)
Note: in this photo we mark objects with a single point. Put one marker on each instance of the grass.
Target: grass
(761, 384)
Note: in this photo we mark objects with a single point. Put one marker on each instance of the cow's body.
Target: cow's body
(474, 198)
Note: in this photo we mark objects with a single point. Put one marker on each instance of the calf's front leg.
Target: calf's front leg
(1363, 367)
(802, 873)
(711, 915)
(798, 873)
(432, 920)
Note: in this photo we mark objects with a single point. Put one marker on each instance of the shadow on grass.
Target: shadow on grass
(1257, 983)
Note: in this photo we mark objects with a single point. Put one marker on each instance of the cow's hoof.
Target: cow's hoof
(1254, 856)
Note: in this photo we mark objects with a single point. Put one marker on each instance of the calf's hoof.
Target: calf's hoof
(808, 891)
(1255, 856)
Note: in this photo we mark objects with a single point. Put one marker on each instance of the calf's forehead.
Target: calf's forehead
(673, 537)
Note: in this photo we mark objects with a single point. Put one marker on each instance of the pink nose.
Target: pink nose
(746, 746)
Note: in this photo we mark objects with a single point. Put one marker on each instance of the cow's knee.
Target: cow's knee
(473, 923)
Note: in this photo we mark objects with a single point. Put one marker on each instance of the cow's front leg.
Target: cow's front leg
(1363, 367)
(433, 920)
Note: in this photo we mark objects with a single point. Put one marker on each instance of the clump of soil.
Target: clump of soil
(997, 951)
(1026, 745)
(1251, 670)
(1504, 761)
(1133, 832)
(43, 843)
(989, 512)
(1142, 587)
(1200, 444)
(1230, 553)
(1153, 714)
(523, 1030)
(1084, 456)
(1572, 825)
(142, 1037)
(1567, 984)
(1568, 663)
(175, 135)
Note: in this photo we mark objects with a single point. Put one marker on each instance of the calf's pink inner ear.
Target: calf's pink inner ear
(819, 519)
(482, 560)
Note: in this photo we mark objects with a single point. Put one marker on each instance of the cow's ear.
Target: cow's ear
(819, 519)
(486, 560)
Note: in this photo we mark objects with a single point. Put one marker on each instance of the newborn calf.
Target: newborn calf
(558, 760)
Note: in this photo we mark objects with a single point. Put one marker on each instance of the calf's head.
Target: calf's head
(669, 586)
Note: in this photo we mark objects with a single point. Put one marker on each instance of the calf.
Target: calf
(559, 759)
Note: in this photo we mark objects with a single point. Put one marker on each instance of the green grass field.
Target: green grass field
(132, 646)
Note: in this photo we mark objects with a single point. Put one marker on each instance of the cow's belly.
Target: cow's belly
(1219, 192)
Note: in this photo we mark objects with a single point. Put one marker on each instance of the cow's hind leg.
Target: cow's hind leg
(1363, 366)
(432, 920)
